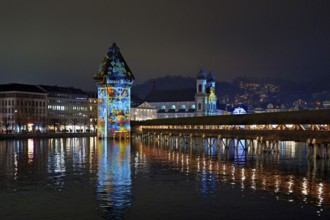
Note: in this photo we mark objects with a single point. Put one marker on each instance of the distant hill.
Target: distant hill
(289, 91)
(166, 82)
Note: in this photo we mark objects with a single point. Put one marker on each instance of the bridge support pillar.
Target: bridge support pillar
(327, 147)
(319, 151)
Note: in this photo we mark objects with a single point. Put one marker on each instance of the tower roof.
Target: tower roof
(210, 77)
(114, 66)
(201, 74)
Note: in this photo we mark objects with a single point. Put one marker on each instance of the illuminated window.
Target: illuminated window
(163, 107)
(172, 106)
(183, 106)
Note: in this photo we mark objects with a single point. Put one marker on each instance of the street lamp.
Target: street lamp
(15, 120)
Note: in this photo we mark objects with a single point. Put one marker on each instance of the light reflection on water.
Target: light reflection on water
(94, 173)
(114, 178)
(103, 175)
(286, 174)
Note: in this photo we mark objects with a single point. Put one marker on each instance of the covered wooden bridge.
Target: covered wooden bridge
(311, 127)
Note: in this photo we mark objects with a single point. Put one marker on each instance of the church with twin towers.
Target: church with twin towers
(194, 102)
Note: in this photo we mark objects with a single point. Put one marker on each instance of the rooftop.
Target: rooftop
(171, 95)
(60, 89)
(10, 87)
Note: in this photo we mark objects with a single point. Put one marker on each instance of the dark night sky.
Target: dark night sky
(63, 42)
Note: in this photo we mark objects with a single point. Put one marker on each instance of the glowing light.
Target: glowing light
(114, 81)
(290, 183)
(304, 187)
(320, 194)
(253, 179)
(30, 150)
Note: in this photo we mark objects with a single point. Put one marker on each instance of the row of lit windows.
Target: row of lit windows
(69, 95)
(67, 101)
(67, 108)
(11, 118)
(22, 95)
(23, 111)
(23, 103)
(175, 115)
(163, 107)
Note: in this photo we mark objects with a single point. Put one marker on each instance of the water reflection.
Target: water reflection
(114, 183)
(287, 174)
(82, 171)
(99, 174)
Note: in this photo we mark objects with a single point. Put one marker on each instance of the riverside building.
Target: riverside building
(43, 108)
(199, 101)
(23, 108)
(67, 109)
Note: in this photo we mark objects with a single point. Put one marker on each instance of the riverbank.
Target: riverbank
(45, 135)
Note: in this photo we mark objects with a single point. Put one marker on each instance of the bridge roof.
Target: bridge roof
(294, 117)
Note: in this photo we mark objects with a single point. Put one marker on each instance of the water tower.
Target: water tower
(114, 81)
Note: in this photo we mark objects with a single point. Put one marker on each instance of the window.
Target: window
(200, 88)
(193, 106)
(199, 106)
(183, 107)
(163, 107)
(172, 106)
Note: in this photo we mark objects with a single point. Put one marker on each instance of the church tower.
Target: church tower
(114, 81)
(211, 96)
(200, 96)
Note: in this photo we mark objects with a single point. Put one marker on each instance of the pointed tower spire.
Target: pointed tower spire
(114, 66)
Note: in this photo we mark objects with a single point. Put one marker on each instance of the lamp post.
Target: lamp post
(15, 120)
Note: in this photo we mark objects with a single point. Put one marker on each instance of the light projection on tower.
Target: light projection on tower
(114, 81)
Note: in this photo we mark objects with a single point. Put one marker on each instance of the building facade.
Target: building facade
(67, 109)
(143, 112)
(200, 101)
(172, 103)
(23, 108)
(92, 111)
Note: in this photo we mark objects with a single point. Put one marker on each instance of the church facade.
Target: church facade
(199, 101)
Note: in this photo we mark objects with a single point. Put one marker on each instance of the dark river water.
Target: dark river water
(85, 178)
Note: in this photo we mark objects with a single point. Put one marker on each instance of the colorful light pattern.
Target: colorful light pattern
(114, 81)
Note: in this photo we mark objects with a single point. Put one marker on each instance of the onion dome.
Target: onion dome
(201, 74)
(210, 77)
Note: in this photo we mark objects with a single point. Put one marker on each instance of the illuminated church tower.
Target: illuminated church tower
(211, 107)
(205, 97)
(201, 96)
(114, 81)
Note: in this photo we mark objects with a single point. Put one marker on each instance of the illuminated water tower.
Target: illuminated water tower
(114, 81)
